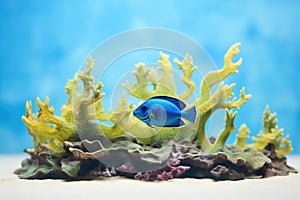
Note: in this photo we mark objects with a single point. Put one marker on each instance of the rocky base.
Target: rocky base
(185, 161)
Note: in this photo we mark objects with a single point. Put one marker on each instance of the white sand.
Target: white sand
(11, 187)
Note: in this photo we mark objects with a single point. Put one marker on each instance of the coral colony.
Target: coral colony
(79, 144)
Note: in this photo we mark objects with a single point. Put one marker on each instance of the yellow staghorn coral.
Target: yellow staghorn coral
(84, 107)
(215, 77)
(164, 84)
(272, 134)
(242, 137)
(88, 107)
(46, 128)
(188, 69)
(229, 128)
(208, 103)
(121, 118)
(143, 76)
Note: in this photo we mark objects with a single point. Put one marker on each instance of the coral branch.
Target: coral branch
(122, 119)
(48, 129)
(228, 64)
(163, 85)
(187, 68)
(166, 84)
(229, 128)
(284, 148)
(217, 100)
(272, 134)
(242, 137)
(269, 120)
(140, 89)
(216, 76)
(96, 111)
(207, 104)
(206, 110)
(202, 140)
(86, 78)
(238, 103)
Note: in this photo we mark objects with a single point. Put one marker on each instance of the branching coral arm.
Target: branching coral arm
(186, 66)
(216, 76)
(139, 89)
(229, 128)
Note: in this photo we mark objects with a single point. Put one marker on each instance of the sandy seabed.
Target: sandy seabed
(11, 187)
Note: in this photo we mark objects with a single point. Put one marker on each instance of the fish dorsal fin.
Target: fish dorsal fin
(180, 104)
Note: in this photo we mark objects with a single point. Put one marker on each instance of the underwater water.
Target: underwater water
(44, 43)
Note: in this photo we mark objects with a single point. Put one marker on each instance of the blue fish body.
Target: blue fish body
(164, 111)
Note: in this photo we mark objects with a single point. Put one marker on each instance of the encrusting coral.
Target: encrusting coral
(79, 144)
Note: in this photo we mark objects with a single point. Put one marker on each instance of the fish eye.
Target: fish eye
(144, 108)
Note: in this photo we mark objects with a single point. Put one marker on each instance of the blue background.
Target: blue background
(43, 43)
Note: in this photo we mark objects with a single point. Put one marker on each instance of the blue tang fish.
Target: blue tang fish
(164, 111)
